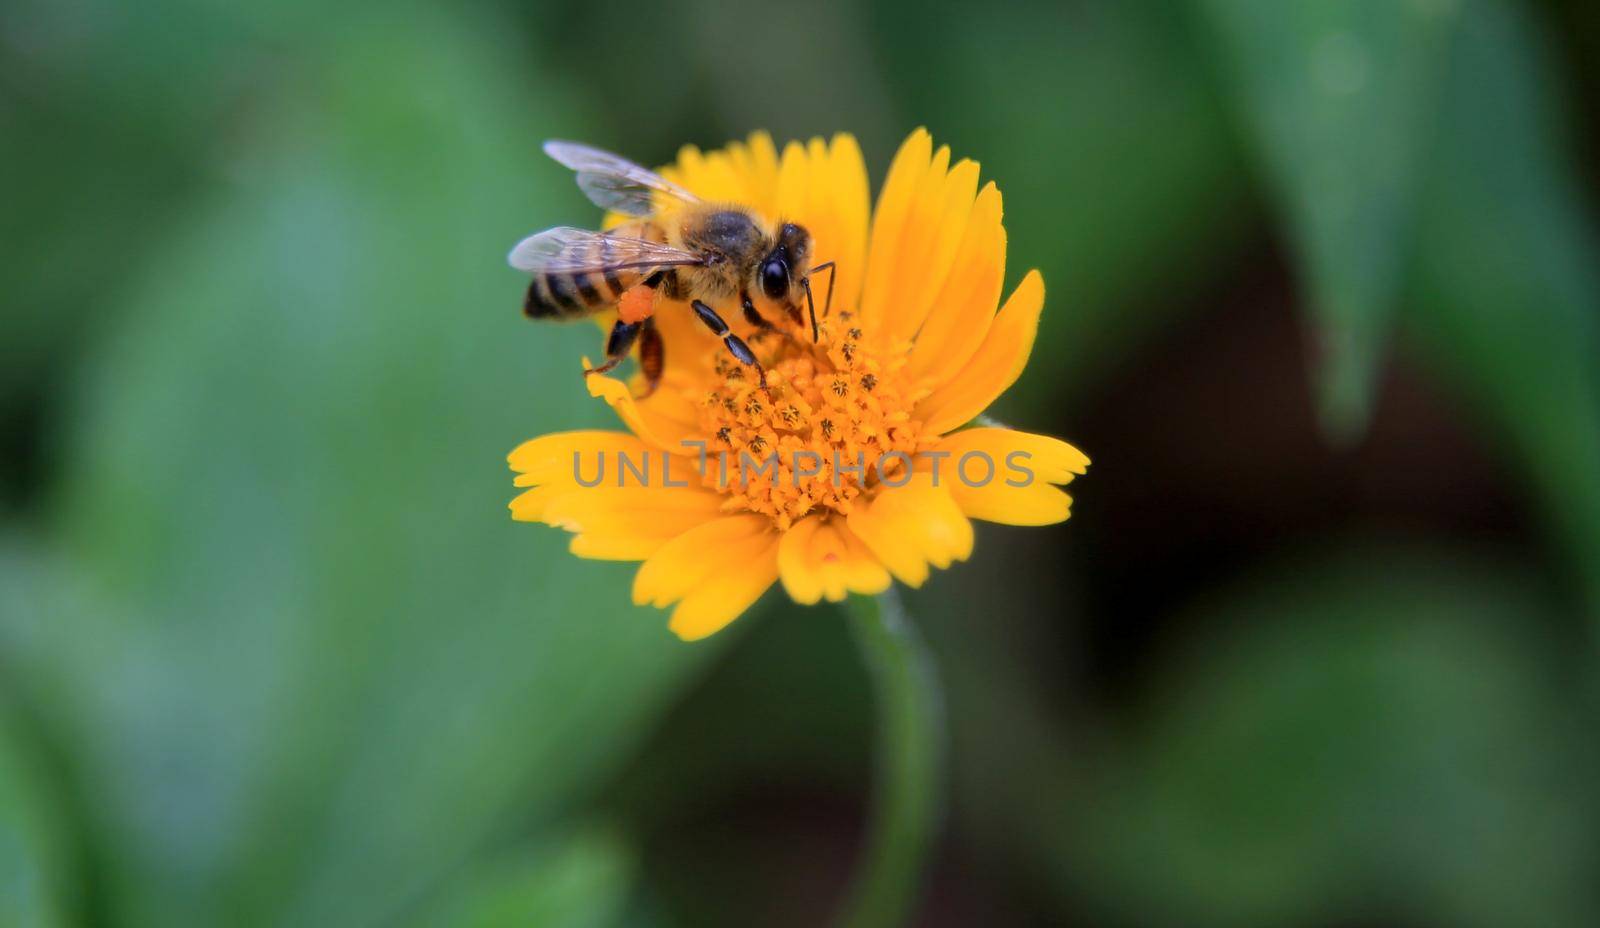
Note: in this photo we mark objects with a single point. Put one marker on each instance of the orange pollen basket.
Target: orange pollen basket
(837, 422)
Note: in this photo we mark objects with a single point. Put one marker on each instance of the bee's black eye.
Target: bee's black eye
(775, 279)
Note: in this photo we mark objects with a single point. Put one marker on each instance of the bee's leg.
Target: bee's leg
(753, 317)
(735, 344)
(621, 339)
(811, 304)
(763, 327)
(652, 356)
(827, 304)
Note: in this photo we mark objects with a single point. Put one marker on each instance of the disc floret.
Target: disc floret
(836, 421)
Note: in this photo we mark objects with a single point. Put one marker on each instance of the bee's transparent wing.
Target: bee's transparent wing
(613, 182)
(565, 250)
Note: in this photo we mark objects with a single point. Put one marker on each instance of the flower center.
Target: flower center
(838, 421)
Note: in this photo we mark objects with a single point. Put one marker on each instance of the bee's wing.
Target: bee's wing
(564, 250)
(613, 182)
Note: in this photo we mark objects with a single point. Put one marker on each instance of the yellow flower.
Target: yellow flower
(857, 467)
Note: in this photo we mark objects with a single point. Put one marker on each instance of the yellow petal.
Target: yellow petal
(651, 420)
(581, 508)
(800, 574)
(823, 186)
(709, 175)
(560, 463)
(995, 366)
(820, 558)
(864, 573)
(845, 185)
(965, 307)
(740, 172)
(794, 185)
(1009, 476)
(619, 523)
(717, 570)
(631, 545)
(909, 527)
(934, 232)
(557, 457)
(908, 257)
(632, 536)
(693, 556)
(531, 505)
(756, 164)
(906, 174)
(727, 593)
(1050, 459)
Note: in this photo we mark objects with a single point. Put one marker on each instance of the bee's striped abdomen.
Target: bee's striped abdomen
(581, 293)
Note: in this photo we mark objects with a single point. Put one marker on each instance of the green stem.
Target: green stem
(910, 742)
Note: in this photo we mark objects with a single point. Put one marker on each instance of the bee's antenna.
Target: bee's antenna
(827, 304)
(811, 304)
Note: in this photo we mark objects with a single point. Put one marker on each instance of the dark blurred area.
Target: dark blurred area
(1316, 648)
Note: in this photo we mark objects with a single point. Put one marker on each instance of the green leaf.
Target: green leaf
(325, 665)
(33, 883)
(1338, 98)
(1381, 734)
(1505, 300)
(583, 882)
(114, 120)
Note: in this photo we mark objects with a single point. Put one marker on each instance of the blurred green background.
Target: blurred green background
(1317, 648)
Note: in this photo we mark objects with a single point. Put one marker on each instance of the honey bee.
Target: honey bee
(678, 247)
